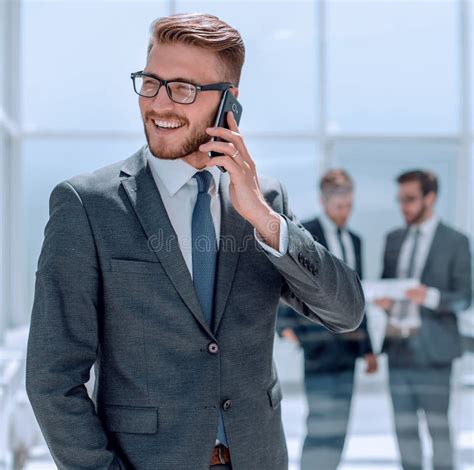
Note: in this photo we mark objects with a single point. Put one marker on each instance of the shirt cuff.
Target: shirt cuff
(432, 298)
(283, 246)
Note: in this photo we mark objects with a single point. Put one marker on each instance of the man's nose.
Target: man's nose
(162, 100)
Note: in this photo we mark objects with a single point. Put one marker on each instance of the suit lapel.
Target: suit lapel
(356, 245)
(230, 245)
(162, 239)
(397, 248)
(319, 234)
(436, 247)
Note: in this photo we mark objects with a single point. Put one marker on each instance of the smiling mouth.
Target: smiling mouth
(167, 125)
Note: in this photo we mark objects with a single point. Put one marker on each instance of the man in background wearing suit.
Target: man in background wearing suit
(329, 358)
(166, 274)
(422, 337)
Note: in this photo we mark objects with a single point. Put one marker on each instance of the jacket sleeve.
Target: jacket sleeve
(317, 285)
(385, 267)
(458, 297)
(63, 338)
(365, 343)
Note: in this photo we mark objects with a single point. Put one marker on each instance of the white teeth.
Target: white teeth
(168, 125)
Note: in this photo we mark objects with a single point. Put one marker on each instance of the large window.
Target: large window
(3, 158)
(77, 59)
(11, 269)
(393, 66)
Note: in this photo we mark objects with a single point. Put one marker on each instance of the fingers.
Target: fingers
(384, 303)
(233, 136)
(234, 169)
(225, 148)
(232, 122)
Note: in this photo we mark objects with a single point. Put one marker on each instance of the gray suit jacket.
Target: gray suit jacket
(448, 268)
(112, 289)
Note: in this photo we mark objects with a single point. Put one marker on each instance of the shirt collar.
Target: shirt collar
(328, 224)
(176, 173)
(428, 226)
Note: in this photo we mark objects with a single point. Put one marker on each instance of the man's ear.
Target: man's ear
(234, 91)
(323, 202)
(431, 198)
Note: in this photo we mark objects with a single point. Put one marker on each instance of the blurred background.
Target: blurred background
(375, 87)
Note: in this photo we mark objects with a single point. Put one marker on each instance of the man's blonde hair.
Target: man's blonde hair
(336, 182)
(206, 31)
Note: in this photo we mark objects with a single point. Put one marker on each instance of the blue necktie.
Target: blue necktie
(204, 258)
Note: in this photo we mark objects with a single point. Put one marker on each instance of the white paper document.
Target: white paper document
(388, 288)
(405, 315)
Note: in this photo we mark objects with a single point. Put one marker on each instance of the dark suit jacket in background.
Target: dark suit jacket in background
(112, 289)
(448, 268)
(325, 351)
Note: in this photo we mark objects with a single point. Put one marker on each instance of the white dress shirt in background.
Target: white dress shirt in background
(425, 240)
(403, 314)
(330, 232)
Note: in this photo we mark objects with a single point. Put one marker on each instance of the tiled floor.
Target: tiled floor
(370, 444)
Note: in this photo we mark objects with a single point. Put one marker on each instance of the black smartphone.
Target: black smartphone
(228, 103)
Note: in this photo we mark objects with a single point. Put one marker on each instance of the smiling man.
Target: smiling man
(166, 275)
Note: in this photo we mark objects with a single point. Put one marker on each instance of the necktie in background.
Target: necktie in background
(341, 243)
(411, 264)
(405, 314)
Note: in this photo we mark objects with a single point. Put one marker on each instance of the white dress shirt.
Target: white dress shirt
(178, 190)
(330, 232)
(411, 318)
(425, 240)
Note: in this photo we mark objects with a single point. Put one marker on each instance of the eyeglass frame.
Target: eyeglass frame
(219, 86)
(409, 199)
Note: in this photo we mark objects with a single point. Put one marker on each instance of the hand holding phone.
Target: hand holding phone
(228, 103)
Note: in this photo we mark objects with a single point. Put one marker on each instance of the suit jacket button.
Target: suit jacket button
(213, 348)
(226, 405)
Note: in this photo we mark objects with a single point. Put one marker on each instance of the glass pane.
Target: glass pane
(4, 47)
(60, 63)
(47, 162)
(279, 85)
(393, 67)
(3, 228)
(295, 163)
(471, 47)
(374, 167)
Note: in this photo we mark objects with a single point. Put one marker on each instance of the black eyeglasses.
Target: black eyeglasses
(179, 91)
(408, 199)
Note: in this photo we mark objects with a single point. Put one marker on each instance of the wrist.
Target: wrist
(261, 216)
(267, 224)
